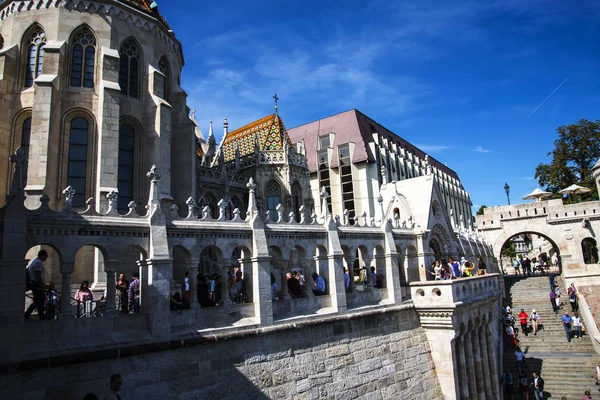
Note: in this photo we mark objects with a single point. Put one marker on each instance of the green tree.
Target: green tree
(508, 250)
(575, 152)
(480, 211)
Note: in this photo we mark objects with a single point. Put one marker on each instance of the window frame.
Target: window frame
(38, 55)
(85, 55)
(127, 66)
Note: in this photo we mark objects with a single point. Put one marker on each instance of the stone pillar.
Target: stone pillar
(12, 289)
(111, 270)
(350, 262)
(246, 267)
(66, 270)
(144, 290)
(423, 256)
(485, 365)
(308, 283)
(470, 364)
(337, 291)
(480, 389)
(283, 290)
(225, 300)
(194, 285)
(463, 365)
(369, 276)
(492, 360)
(261, 275)
(158, 296)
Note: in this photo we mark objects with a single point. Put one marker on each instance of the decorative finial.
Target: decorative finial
(324, 193)
(276, 104)
(69, 193)
(153, 174)
(225, 127)
(210, 130)
(251, 185)
(194, 114)
(112, 197)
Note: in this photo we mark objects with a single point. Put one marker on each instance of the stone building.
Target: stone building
(103, 167)
(353, 156)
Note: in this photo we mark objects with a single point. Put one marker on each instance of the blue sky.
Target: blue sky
(463, 80)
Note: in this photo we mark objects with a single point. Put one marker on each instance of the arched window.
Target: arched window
(273, 199)
(25, 138)
(125, 177)
(129, 68)
(163, 66)
(35, 56)
(590, 251)
(78, 144)
(297, 199)
(83, 58)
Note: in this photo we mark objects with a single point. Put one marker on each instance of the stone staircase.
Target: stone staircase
(567, 368)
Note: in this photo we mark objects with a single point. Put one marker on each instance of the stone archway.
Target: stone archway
(555, 249)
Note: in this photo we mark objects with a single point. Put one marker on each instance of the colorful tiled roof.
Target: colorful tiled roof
(144, 5)
(270, 131)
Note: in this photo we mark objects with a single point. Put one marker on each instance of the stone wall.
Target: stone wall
(375, 354)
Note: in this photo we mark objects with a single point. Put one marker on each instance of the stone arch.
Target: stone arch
(441, 235)
(89, 266)
(129, 258)
(321, 265)
(507, 235)
(412, 264)
(52, 264)
(182, 263)
(589, 250)
(210, 260)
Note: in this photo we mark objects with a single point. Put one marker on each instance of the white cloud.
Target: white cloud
(433, 148)
(480, 149)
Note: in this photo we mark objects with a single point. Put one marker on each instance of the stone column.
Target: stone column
(110, 267)
(66, 270)
(337, 290)
(492, 360)
(194, 284)
(143, 271)
(12, 289)
(350, 262)
(470, 364)
(463, 365)
(261, 275)
(308, 282)
(158, 296)
(485, 365)
(246, 267)
(283, 290)
(369, 276)
(225, 300)
(477, 363)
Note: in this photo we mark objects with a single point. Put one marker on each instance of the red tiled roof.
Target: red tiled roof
(352, 126)
(144, 5)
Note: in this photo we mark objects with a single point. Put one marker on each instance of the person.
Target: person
(319, 284)
(373, 277)
(116, 381)
(84, 297)
(597, 374)
(302, 280)
(437, 267)
(524, 384)
(176, 302)
(523, 319)
(239, 284)
(516, 266)
(526, 266)
(538, 386)
(566, 320)
(557, 297)
(134, 293)
(572, 292)
(203, 292)
(346, 280)
(576, 324)
(212, 286)
(187, 294)
(553, 301)
(481, 266)
(293, 284)
(273, 288)
(507, 309)
(446, 271)
(454, 267)
(551, 278)
(520, 358)
(36, 277)
(535, 320)
(121, 295)
(587, 395)
(510, 333)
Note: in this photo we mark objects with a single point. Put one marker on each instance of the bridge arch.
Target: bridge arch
(555, 241)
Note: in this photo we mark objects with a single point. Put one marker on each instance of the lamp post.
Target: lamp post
(507, 190)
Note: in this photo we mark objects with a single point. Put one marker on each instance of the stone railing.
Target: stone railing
(272, 157)
(445, 293)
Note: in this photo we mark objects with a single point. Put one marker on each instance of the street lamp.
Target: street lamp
(507, 190)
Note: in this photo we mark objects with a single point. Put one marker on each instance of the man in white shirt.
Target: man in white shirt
(37, 275)
(115, 387)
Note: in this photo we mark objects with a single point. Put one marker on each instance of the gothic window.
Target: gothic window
(25, 138)
(125, 177)
(273, 199)
(163, 66)
(129, 68)
(83, 59)
(35, 56)
(590, 251)
(297, 199)
(78, 144)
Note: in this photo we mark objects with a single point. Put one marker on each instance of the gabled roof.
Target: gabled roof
(268, 131)
(144, 5)
(352, 126)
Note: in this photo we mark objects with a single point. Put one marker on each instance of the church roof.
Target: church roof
(269, 131)
(144, 5)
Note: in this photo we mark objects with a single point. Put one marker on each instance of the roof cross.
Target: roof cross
(276, 104)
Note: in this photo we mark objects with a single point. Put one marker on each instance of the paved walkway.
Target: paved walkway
(567, 368)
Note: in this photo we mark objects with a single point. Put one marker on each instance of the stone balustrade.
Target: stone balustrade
(448, 292)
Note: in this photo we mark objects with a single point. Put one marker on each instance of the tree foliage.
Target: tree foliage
(480, 211)
(575, 152)
(508, 250)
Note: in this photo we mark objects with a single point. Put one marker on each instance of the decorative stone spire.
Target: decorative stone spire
(380, 201)
(252, 209)
(383, 175)
(194, 115)
(225, 127)
(427, 165)
(154, 177)
(69, 193)
(112, 198)
(324, 205)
